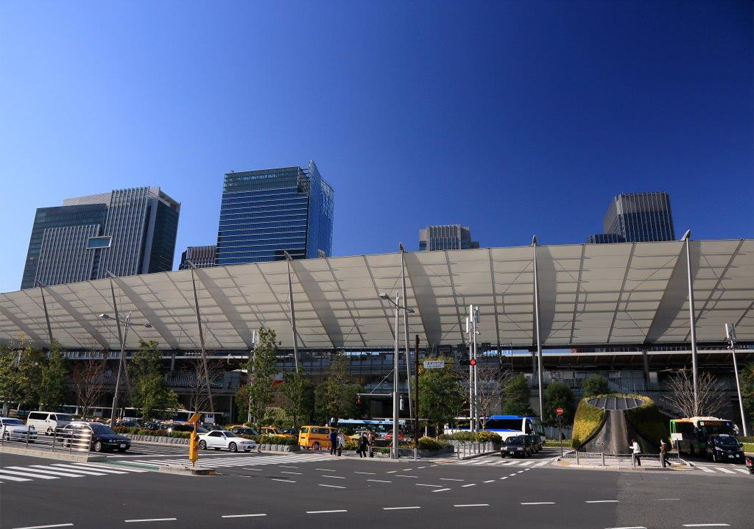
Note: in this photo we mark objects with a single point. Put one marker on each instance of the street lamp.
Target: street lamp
(730, 334)
(396, 377)
(127, 323)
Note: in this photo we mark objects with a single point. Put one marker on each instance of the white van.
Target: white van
(46, 421)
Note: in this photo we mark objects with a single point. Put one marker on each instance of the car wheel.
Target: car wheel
(316, 445)
(98, 446)
(202, 445)
(502, 455)
(233, 447)
(714, 457)
(692, 451)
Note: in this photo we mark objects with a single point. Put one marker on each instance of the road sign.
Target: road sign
(434, 364)
(194, 418)
(559, 411)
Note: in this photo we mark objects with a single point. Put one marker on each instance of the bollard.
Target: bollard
(603, 459)
(27, 438)
(577, 457)
(54, 437)
(633, 460)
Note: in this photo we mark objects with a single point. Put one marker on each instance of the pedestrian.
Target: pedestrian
(341, 442)
(664, 454)
(636, 452)
(370, 442)
(363, 445)
(333, 441)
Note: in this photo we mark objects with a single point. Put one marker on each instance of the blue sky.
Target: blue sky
(515, 118)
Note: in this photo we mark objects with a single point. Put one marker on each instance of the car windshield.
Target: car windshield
(515, 441)
(64, 417)
(726, 441)
(101, 428)
(12, 421)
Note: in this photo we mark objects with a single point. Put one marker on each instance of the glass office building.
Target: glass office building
(199, 256)
(269, 212)
(446, 237)
(637, 217)
(125, 232)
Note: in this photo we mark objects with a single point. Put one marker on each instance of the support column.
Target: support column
(288, 259)
(405, 335)
(47, 315)
(692, 321)
(121, 360)
(201, 339)
(645, 363)
(536, 325)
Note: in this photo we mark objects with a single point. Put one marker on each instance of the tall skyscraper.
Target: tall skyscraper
(447, 237)
(266, 213)
(125, 232)
(200, 257)
(637, 217)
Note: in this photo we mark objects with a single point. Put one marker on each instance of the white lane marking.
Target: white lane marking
(451, 479)
(543, 463)
(440, 490)
(520, 472)
(405, 476)
(721, 469)
(400, 508)
(504, 477)
(326, 512)
(40, 471)
(601, 501)
(706, 525)
(331, 486)
(365, 473)
(152, 520)
(526, 463)
(332, 477)
(325, 469)
(741, 470)
(25, 474)
(705, 469)
(379, 481)
(511, 475)
(490, 481)
(421, 467)
(288, 466)
(291, 472)
(13, 478)
(427, 485)
(632, 527)
(76, 467)
(391, 471)
(46, 526)
(407, 470)
(283, 480)
(469, 485)
(122, 468)
(79, 472)
(668, 499)
(432, 466)
(473, 505)
(242, 515)
(538, 503)
(509, 463)
(254, 469)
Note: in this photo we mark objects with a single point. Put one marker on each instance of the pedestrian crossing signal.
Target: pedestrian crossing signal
(467, 362)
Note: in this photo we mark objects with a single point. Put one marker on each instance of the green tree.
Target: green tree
(10, 382)
(595, 385)
(299, 398)
(259, 391)
(31, 367)
(336, 397)
(747, 389)
(149, 390)
(53, 385)
(558, 395)
(441, 395)
(516, 395)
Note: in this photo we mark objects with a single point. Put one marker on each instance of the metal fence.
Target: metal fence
(60, 440)
(603, 459)
(464, 450)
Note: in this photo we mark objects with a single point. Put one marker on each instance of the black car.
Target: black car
(244, 430)
(724, 448)
(519, 445)
(103, 438)
(536, 442)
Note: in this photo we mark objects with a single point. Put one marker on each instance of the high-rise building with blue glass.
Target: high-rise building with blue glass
(637, 217)
(272, 211)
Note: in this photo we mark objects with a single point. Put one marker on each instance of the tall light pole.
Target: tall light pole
(730, 334)
(471, 330)
(692, 321)
(127, 324)
(396, 371)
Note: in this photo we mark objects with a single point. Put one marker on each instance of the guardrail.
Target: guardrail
(603, 459)
(465, 450)
(61, 440)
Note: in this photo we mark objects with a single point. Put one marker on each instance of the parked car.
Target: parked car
(243, 430)
(316, 437)
(129, 424)
(724, 448)
(516, 446)
(219, 439)
(103, 437)
(273, 430)
(186, 427)
(15, 430)
(48, 421)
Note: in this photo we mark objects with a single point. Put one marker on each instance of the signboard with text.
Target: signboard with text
(434, 364)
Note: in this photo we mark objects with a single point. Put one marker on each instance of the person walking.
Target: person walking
(636, 452)
(333, 441)
(370, 442)
(341, 442)
(664, 454)
(362, 445)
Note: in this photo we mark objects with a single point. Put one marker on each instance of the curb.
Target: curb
(187, 471)
(48, 454)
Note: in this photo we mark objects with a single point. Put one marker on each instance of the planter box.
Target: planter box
(161, 439)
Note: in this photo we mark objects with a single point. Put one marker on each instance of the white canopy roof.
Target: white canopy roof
(590, 294)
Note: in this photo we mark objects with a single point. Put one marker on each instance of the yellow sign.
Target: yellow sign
(194, 418)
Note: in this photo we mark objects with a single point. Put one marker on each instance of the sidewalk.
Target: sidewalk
(621, 462)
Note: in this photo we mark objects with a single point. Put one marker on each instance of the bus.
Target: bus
(506, 425)
(689, 435)
(380, 428)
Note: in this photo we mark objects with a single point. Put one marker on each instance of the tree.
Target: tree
(595, 385)
(747, 389)
(53, 385)
(299, 398)
(441, 396)
(336, 397)
(558, 395)
(10, 381)
(259, 392)
(149, 390)
(710, 392)
(491, 379)
(516, 396)
(89, 383)
(197, 379)
(31, 366)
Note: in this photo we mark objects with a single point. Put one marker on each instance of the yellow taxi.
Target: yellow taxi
(316, 437)
(272, 430)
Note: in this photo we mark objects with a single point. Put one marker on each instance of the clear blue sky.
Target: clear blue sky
(515, 118)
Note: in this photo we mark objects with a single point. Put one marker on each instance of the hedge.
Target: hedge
(429, 443)
(156, 433)
(481, 437)
(586, 421)
(648, 420)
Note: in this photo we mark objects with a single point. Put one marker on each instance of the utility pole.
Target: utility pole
(730, 333)
(416, 394)
(396, 378)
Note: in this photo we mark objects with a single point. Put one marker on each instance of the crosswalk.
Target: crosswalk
(20, 474)
(497, 461)
(240, 460)
(722, 470)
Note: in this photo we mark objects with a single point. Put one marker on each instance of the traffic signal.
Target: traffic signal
(467, 362)
(358, 400)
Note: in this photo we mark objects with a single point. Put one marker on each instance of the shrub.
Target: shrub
(487, 437)
(351, 444)
(428, 443)
(459, 436)
(586, 421)
(595, 385)
(276, 440)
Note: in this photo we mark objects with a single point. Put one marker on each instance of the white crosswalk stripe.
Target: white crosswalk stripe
(723, 470)
(55, 471)
(58, 472)
(25, 474)
(241, 460)
(497, 461)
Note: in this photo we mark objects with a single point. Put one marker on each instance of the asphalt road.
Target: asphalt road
(299, 489)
